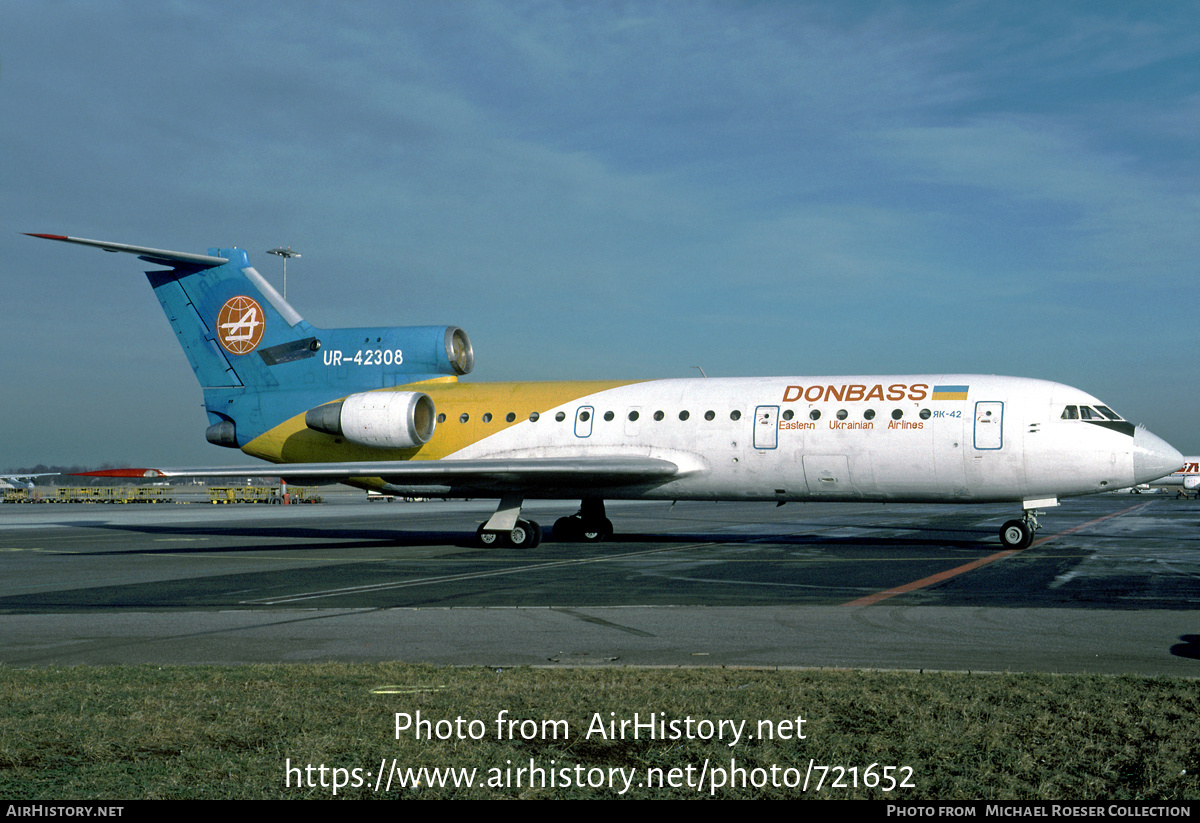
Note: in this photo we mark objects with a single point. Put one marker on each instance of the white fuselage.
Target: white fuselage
(936, 438)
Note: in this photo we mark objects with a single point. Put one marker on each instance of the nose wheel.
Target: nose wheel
(1015, 535)
(1018, 534)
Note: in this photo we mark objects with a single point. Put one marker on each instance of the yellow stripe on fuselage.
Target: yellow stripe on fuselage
(293, 442)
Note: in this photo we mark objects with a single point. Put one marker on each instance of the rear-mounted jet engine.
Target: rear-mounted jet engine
(379, 420)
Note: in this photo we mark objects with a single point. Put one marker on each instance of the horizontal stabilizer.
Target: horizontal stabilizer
(161, 256)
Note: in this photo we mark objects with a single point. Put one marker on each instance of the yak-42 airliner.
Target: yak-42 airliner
(382, 408)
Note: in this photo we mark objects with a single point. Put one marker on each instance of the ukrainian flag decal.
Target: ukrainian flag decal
(950, 392)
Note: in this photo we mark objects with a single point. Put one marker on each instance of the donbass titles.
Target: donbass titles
(854, 392)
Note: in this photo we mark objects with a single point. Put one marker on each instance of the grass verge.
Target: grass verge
(316, 731)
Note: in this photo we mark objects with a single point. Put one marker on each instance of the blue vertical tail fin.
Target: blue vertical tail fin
(258, 361)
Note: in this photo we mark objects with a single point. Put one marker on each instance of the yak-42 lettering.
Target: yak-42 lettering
(383, 408)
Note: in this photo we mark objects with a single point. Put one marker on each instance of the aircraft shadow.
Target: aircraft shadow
(1189, 648)
(307, 538)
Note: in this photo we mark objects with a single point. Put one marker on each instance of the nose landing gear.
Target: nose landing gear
(1018, 534)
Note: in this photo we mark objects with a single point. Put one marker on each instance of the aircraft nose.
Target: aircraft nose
(1153, 457)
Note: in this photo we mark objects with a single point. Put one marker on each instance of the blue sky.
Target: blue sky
(606, 190)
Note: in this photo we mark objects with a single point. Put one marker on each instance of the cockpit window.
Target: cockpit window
(1096, 412)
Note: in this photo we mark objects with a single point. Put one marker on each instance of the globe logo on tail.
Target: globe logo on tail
(240, 325)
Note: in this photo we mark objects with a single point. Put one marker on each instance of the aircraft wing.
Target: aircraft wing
(512, 474)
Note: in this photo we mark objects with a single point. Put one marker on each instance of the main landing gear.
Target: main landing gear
(588, 525)
(507, 529)
(1018, 534)
(525, 534)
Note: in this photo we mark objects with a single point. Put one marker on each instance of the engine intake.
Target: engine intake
(379, 420)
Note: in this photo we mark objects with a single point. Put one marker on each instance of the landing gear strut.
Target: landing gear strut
(1018, 534)
(588, 525)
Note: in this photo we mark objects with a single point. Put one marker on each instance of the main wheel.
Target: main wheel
(1016, 535)
(597, 531)
(486, 538)
(536, 531)
(525, 535)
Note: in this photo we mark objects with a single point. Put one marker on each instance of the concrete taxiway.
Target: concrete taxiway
(1111, 585)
